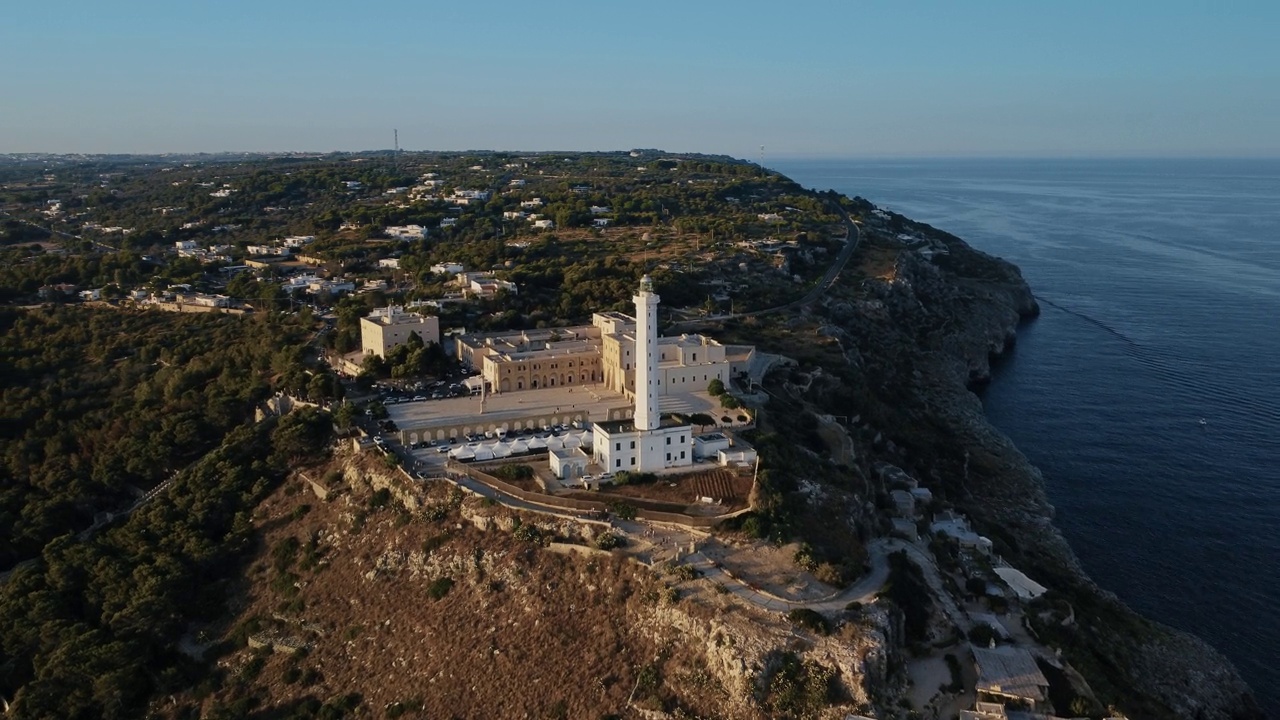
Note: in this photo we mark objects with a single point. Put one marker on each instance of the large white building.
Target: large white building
(385, 328)
(646, 442)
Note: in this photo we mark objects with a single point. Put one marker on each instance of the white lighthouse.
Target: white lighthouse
(647, 415)
(645, 443)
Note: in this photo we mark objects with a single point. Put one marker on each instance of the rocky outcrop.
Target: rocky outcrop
(922, 338)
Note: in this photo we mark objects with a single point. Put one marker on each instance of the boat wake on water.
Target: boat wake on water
(1166, 368)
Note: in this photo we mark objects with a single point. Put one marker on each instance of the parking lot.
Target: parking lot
(552, 405)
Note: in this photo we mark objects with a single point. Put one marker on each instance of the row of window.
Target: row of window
(618, 462)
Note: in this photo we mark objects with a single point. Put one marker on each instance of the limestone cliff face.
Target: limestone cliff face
(927, 333)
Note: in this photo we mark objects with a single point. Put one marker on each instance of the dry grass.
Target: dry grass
(521, 633)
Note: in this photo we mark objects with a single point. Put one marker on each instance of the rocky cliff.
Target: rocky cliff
(921, 335)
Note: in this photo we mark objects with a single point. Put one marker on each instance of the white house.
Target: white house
(448, 222)
(297, 241)
(268, 250)
(531, 204)
(600, 210)
(544, 224)
(447, 268)
(392, 263)
(601, 222)
(405, 232)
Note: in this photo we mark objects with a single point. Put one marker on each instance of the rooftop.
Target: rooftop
(625, 426)
(1009, 671)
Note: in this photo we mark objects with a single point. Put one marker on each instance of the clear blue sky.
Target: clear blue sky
(843, 78)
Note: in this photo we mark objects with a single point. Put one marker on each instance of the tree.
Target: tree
(716, 387)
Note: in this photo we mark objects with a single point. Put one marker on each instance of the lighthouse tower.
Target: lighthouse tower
(647, 416)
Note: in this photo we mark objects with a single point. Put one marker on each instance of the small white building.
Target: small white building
(267, 250)
(601, 222)
(567, 464)
(544, 224)
(447, 268)
(391, 263)
(405, 232)
(448, 222)
(297, 241)
(185, 245)
(707, 446)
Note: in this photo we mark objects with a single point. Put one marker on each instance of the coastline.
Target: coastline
(1144, 668)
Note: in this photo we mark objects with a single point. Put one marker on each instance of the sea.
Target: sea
(1148, 391)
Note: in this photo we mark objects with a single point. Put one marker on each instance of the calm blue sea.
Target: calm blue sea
(1159, 283)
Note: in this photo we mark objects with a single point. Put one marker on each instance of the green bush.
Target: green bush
(439, 587)
(811, 619)
(609, 541)
(624, 510)
(798, 688)
(529, 533)
(511, 473)
(380, 499)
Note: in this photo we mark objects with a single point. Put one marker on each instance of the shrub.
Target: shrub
(957, 679)
(439, 588)
(624, 510)
(813, 620)
(380, 498)
(609, 541)
(512, 473)
(804, 557)
(798, 688)
(982, 635)
(529, 533)
(729, 402)
(715, 387)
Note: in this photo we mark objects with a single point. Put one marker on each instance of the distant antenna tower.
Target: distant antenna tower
(397, 144)
(761, 156)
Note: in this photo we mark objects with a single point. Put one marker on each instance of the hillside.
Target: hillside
(190, 531)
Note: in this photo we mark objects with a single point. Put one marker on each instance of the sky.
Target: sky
(848, 78)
